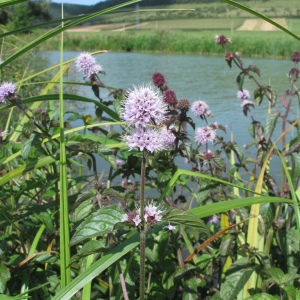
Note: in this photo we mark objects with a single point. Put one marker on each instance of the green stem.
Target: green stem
(64, 212)
(143, 229)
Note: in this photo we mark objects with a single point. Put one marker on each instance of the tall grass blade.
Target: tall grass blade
(65, 271)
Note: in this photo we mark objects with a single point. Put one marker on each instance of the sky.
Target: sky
(81, 2)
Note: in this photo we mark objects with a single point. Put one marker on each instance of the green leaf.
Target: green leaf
(97, 224)
(270, 125)
(225, 247)
(97, 267)
(27, 146)
(295, 168)
(263, 296)
(190, 289)
(254, 69)
(238, 151)
(4, 277)
(275, 273)
(45, 217)
(236, 277)
(291, 292)
(292, 247)
(91, 247)
(240, 81)
(259, 95)
(182, 217)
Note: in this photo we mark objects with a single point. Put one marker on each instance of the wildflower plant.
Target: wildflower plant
(96, 235)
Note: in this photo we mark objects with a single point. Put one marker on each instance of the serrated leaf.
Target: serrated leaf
(91, 247)
(45, 218)
(258, 95)
(267, 212)
(178, 216)
(272, 96)
(225, 246)
(292, 247)
(254, 69)
(251, 130)
(97, 224)
(87, 195)
(240, 81)
(276, 275)
(190, 289)
(220, 163)
(291, 292)
(238, 151)
(114, 195)
(27, 146)
(236, 277)
(271, 121)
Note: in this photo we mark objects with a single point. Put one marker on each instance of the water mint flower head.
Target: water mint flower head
(296, 56)
(183, 105)
(200, 108)
(158, 79)
(93, 70)
(6, 89)
(84, 62)
(152, 214)
(243, 95)
(205, 134)
(222, 40)
(144, 106)
(145, 139)
(169, 97)
(169, 138)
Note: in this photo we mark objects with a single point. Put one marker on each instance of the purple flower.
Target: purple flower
(93, 70)
(144, 106)
(158, 79)
(207, 155)
(205, 134)
(213, 219)
(170, 227)
(169, 97)
(148, 139)
(152, 213)
(3, 133)
(183, 105)
(120, 162)
(86, 63)
(169, 138)
(243, 95)
(200, 108)
(6, 89)
(222, 40)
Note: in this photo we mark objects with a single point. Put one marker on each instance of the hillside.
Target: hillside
(199, 9)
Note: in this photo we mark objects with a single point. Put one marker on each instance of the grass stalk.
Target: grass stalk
(64, 212)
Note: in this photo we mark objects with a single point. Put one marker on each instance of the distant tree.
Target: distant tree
(27, 13)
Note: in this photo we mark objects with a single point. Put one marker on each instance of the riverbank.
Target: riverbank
(271, 44)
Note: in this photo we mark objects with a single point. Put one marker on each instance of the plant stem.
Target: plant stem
(143, 229)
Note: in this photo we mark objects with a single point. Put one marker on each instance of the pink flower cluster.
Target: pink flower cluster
(86, 64)
(200, 108)
(144, 109)
(152, 215)
(206, 134)
(6, 89)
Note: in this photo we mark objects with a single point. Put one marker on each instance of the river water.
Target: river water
(194, 77)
